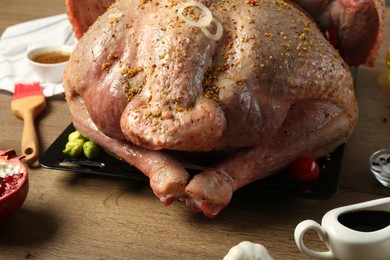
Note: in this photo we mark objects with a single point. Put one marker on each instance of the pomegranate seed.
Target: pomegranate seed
(9, 183)
(2, 186)
(9, 179)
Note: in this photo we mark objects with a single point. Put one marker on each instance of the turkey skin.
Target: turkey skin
(254, 81)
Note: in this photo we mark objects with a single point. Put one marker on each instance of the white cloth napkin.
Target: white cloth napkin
(18, 39)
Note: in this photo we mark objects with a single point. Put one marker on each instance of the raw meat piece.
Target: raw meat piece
(143, 82)
(83, 13)
(354, 27)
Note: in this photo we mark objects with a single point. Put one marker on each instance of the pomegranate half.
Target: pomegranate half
(13, 183)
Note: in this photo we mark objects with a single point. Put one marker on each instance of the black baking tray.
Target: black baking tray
(326, 186)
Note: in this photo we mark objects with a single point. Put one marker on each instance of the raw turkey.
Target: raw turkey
(253, 84)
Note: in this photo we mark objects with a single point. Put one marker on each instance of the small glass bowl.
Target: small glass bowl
(379, 164)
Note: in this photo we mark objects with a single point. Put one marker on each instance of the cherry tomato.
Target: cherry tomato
(304, 169)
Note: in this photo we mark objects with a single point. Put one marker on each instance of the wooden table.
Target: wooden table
(73, 216)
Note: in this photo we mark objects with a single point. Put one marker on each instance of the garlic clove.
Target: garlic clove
(247, 250)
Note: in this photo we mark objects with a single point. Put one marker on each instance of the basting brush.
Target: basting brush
(27, 102)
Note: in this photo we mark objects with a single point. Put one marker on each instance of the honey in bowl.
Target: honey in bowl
(51, 57)
(48, 62)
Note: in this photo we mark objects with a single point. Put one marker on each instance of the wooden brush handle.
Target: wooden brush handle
(30, 147)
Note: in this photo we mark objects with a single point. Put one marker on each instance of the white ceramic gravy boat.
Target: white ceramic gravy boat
(358, 231)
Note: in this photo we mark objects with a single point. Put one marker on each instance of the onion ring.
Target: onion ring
(218, 33)
(203, 21)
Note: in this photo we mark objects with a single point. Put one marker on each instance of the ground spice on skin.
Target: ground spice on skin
(129, 90)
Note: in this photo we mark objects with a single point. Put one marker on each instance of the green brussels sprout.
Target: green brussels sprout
(76, 135)
(74, 148)
(91, 149)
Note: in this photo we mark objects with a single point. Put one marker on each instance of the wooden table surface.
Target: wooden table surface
(74, 216)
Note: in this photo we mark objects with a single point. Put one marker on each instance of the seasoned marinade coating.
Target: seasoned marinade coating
(268, 89)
